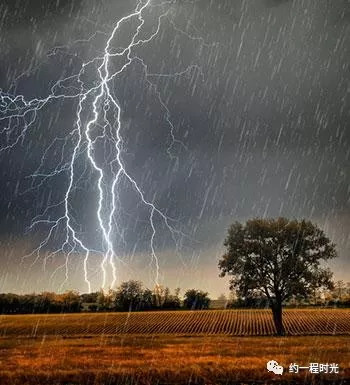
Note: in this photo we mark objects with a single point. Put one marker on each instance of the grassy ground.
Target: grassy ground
(201, 347)
(167, 359)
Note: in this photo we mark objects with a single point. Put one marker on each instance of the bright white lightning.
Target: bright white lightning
(98, 100)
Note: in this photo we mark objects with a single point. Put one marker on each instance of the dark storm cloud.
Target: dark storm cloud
(266, 128)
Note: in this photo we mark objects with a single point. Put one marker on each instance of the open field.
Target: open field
(211, 322)
(202, 347)
(167, 359)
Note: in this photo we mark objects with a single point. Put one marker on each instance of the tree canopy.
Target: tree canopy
(196, 299)
(278, 258)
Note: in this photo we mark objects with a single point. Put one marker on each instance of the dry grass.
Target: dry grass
(105, 349)
(165, 359)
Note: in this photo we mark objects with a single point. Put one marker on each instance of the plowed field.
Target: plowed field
(211, 322)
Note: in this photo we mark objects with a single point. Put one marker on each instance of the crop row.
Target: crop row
(229, 322)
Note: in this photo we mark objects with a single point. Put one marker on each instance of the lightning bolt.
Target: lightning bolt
(95, 104)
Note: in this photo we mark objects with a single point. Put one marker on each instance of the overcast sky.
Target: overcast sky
(257, 126)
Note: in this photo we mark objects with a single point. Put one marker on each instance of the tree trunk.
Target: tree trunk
(277, 318)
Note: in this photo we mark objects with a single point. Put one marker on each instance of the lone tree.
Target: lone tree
(278, 258)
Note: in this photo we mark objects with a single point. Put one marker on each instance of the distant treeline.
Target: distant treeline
(132, 296)
(129, 296)
(339, 296)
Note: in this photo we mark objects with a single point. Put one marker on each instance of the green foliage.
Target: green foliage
(89, 297)
(162, 298)
(129, 296)
(105, 300)
(196, 299)
(68, 302)
(277, 258)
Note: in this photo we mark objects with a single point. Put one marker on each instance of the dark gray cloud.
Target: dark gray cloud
(266, 124)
